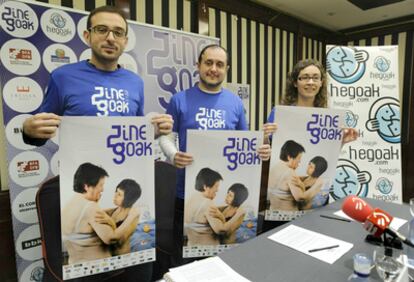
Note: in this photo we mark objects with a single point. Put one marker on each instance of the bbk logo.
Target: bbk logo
(18, 19)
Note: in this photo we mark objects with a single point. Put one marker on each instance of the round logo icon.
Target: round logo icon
(57, 25)
(57, 55)
(18, 19)
(22, 94)
(351, 119)
(382, 64)
(345, 64)
(349, 180)
(33, 273)
(128, 62)
(384, 185)
(20, 56)
(14, 129)
(384, 118)
(24, 206)
(29, 244)
(28, 168)
(81, 27)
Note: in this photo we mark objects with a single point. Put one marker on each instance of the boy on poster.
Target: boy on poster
(107, 194)
(305, 151)
(222, 198)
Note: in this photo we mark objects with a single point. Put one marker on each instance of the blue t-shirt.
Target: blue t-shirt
(196, 109)
(80, 89)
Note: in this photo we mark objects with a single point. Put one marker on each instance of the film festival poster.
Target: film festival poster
(222, 189)
(109, 222)
(305, 150)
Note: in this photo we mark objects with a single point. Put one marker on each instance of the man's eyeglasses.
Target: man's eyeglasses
(103, 30)
(308, 78)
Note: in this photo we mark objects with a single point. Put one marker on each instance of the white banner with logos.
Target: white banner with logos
(225, 178)
(364, 81)
(35, 39)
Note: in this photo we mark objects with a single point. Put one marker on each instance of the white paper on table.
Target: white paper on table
(303, 240)
(396, 222)
(210, 269)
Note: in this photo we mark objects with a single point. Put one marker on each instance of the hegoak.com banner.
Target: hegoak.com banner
(364, 82)
(305, 150)
(107, 194)
(37, 38)
(222, 189)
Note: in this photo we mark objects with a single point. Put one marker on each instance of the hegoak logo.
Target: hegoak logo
(349, 180)
(346, 64)
(384, 118)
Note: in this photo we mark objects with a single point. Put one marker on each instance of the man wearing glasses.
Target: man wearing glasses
(96, 87)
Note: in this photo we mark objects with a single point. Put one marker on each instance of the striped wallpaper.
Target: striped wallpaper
(261, 55)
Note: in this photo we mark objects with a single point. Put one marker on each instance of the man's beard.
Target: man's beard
(210, 85)
(104, 59)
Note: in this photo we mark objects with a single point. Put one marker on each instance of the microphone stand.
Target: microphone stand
(385, 240)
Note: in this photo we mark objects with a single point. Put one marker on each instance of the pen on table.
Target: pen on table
(324, 248)
(334, 217)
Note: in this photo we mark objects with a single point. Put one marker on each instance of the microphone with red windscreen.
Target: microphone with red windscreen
(376, 221)
(356, 208)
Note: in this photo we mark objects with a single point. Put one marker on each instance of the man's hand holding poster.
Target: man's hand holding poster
(222, 190)
(107, 193)
(305, 150)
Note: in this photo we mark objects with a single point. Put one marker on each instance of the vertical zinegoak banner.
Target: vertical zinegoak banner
(107, 194)
(222, 189)
(364, 82)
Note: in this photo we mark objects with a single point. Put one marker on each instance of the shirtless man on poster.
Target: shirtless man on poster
(83, 236)
(200, 224)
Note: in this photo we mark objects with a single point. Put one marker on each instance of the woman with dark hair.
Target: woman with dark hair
(127, 193)
(312, 183)
(232, 212)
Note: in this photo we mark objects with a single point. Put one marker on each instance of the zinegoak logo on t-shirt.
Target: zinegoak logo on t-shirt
(210, 118)
(110, 100)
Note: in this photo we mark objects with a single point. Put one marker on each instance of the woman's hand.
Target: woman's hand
(268, 130)
(298, 182)
(349, 135)
(215, 212)
(103, 218)
(264, 152)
